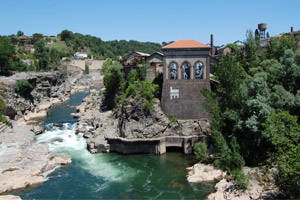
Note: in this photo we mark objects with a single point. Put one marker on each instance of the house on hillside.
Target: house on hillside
(135, 59)
(156, 63)
(80, 55)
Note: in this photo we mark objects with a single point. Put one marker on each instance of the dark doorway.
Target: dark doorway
(174, 149)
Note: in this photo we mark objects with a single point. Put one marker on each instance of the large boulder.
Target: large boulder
(9, 197)
(201, 173)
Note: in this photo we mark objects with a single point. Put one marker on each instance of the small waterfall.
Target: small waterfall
(64, 139)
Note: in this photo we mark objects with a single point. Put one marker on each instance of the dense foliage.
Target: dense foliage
(42, 53)
(117, 88)
(105, 49)
(23, 88)
(283, 131)
(113, 82)
(8, 60)
(255, 110)
(200, 150)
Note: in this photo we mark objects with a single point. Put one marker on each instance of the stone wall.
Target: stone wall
(188, 104)
(182, 98)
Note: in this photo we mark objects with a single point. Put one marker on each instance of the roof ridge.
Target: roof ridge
(185, 44)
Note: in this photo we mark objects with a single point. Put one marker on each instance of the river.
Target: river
(109, 176)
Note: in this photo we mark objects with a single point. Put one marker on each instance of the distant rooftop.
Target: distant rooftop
(180, 44)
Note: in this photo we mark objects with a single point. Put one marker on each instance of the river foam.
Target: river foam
(64, 139)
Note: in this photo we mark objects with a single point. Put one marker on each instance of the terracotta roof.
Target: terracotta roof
(180, 44)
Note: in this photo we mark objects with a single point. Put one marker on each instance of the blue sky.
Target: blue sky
(150, 20)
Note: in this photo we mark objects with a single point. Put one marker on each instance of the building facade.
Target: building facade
(186, 73)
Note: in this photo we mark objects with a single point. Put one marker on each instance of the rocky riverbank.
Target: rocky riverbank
(49, 88)
(261, 182)
(23, 162)
(130, 123)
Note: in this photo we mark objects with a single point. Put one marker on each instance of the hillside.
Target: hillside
(42, 53)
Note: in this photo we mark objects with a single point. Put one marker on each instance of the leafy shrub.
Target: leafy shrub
(86, 69)
(23, 88)
(172, 120)
(200, 150)
(144, 90)
(240, 179)
(2, 105)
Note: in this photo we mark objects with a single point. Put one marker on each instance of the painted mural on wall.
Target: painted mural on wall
(199, 68)
(173, 70)
(174, 93)
(186, 70)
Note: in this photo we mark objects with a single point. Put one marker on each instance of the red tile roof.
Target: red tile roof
(180, 44)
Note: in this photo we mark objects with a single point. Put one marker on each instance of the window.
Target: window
(199, 70)
(173, 69)
(186, 70)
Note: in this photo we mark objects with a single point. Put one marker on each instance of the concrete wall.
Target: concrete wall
(93, 64)
(153, 145)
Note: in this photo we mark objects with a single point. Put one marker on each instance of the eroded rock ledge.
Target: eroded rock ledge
(23, 162)
(129, 130)
(261, 182)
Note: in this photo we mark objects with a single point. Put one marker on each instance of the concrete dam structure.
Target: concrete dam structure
(153, 145)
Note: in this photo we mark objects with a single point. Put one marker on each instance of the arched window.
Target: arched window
(173, 70)
(186, 70)
(199, 70)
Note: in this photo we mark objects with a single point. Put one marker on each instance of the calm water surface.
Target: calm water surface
(109, 176)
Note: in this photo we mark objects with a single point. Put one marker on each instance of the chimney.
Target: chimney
(292, 31)
(212, 49)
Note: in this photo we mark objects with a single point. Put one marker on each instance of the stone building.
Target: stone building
(135, 59)
(186, 72)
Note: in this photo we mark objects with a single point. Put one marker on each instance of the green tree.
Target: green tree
(289, 72)
(251, 54)
(256, 108)
(107, 65)
(42, 55)
(282, 131)
(7, 51)
(66, 35)
(277, 46)
(282, 99)
(37, 37)
(20, 33)
(113, 82)
(230, 74)
(133, 76)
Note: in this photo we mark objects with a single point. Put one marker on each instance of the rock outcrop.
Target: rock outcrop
(261, 182)
(9, 197)
(134, 123)
(23, 162)
(48, 88)
(261, 186)
(130, 122)
(200, 173)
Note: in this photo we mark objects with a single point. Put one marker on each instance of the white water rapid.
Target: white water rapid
(64, 139)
